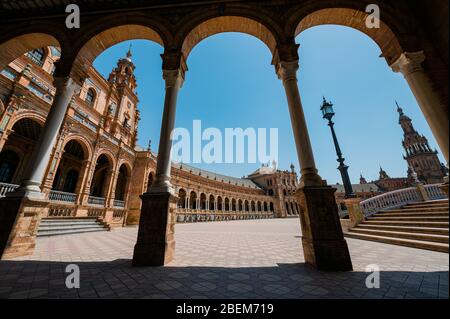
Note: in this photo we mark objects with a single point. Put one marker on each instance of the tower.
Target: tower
(362, 179)
(122, 115)
(420, 157)
(383, 174)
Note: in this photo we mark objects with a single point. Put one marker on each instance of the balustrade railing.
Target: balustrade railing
(119, 203)
(99, 201)
(7, 188)
(390, 200)
(435, 192)
(57, 196)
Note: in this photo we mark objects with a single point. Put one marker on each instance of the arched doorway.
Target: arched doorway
(203, 201)
(69, 169)
(193, 200)
(122, 183)
(182, 198)
(22, 140)
(102, 174)
(9, 161)
(211, 202)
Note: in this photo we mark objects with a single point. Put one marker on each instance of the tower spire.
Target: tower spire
(129, 53)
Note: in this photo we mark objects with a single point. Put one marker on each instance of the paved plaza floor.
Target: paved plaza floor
(236, 259)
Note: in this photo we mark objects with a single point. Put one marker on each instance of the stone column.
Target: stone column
(324, 246)
(174, 81)
(155, 244)
(287, 72)
(410, 65)
(34, 175)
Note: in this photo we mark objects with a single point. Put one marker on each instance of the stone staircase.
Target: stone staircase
(70, 225)
(420, 225)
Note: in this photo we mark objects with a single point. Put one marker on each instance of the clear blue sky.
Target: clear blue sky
(230, 83)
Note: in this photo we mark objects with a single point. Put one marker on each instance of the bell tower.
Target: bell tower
(122, 115)
(418, 153)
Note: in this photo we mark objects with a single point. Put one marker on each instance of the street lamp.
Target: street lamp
(328, 113)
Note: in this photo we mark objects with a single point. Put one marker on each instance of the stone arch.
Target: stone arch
(193, 200)
(123, 181)
(240, 205)
(227, 204)
(352, 14)
(39, 118)
(104, 163)
(108, 154)
(203, 201)
(212, 200)
(19, 42)
(84, 142)
(209, 26)
(219, 203)
(182, 194)
(114, 29)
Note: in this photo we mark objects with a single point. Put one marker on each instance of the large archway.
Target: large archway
(101, 177)
(17, 150)
(67, 177)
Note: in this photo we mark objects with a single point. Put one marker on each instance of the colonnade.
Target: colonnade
(317, 197)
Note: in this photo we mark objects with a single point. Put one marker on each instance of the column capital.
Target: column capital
(409, 62)
(287, 70)
(66, 82)
(173, 78)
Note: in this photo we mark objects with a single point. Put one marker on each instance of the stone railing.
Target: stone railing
(7, 188)
(57, 196)
(98, 201)
(55, 211)
(92, 212)
(119, 203)
(435, 192)
(390, 200)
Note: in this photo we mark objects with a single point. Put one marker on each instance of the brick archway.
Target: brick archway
(216, 25)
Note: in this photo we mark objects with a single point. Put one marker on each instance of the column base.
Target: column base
(19, 221)
(155, 244)
(323, 242)
(354, 211)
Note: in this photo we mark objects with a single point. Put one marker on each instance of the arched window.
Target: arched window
(90, 97)
(37, 56)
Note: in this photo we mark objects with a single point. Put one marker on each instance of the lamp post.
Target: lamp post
(328, 113)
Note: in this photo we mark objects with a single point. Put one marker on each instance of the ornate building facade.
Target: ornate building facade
(421, 159)
(96, 155)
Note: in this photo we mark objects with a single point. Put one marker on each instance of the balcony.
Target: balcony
(97, 201)
(57, 196)
(7, 188)
(119, 203)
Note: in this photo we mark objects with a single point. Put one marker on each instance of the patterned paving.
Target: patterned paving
(238, 259)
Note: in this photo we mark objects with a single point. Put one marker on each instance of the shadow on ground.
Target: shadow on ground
(117, 279)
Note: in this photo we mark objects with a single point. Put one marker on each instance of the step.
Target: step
(418, 210)
(444, 248)
(411, 229)
(407, 223)
(42, 229)
(398, 233)
(68, 223)
(441, 205)
(409, 219)
(68, 232)
(406, 214)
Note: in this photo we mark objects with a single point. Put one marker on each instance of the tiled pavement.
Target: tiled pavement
(238, 259)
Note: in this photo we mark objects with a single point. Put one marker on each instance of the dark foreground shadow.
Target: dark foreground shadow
(117, 279)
